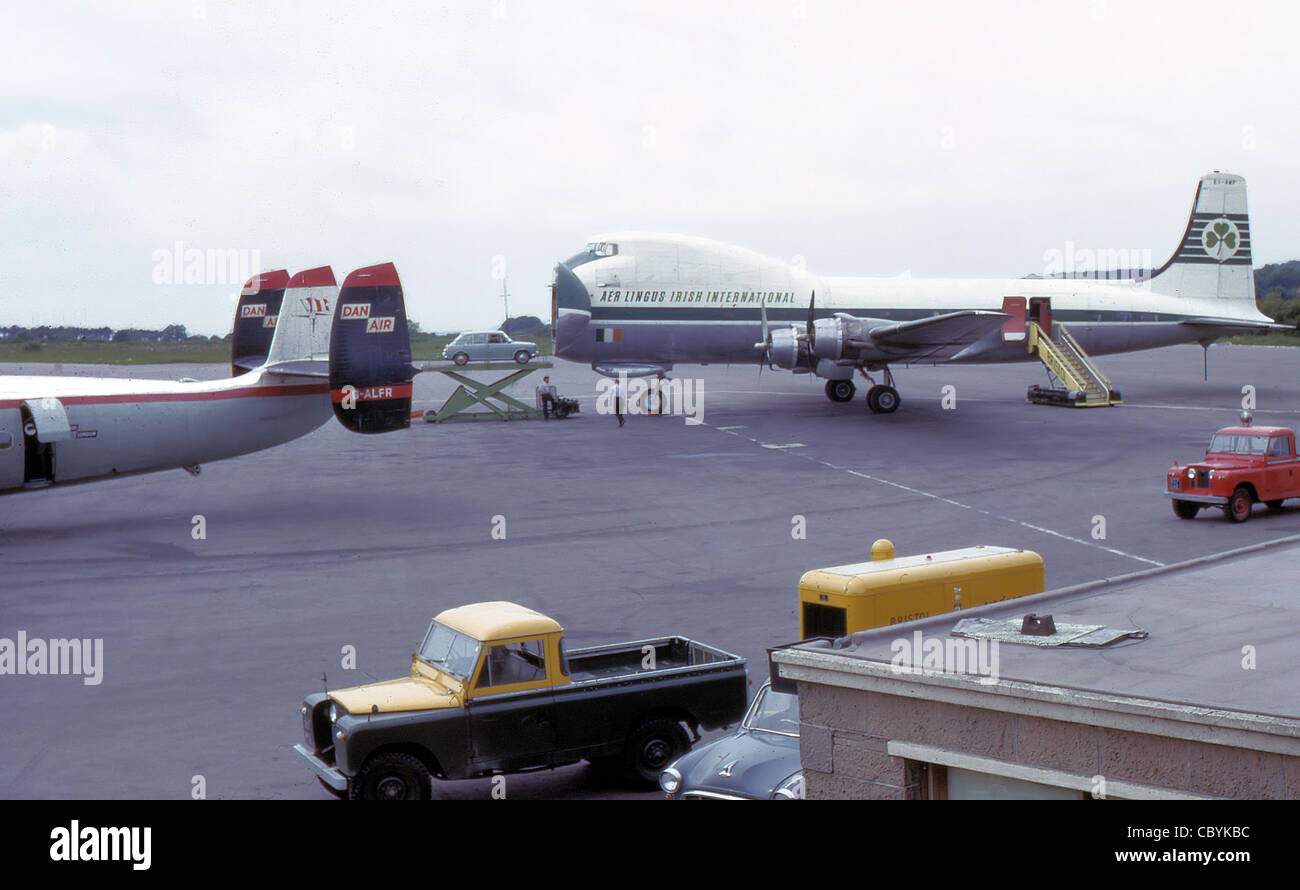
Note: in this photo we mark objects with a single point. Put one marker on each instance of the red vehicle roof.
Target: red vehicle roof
(1255, 431)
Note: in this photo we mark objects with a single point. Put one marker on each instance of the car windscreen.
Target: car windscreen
(450, 650)
(1229, 443)
(774, 712)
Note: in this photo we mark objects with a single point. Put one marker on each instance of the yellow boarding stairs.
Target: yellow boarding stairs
(1082, 383)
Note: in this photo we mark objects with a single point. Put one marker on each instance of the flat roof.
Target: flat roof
(1200, 620)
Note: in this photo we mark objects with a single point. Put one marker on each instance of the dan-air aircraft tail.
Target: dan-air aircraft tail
(637, 303)
(301, 350)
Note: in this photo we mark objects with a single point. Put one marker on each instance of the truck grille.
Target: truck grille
(1202, 478)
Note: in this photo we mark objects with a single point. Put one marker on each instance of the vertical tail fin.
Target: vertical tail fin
(255, 319)
(370, 353)
(302, 333)
(1213, 260)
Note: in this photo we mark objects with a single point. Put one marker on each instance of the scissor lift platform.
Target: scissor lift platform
(490, 394)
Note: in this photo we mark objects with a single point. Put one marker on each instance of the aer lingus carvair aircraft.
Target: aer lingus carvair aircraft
(636, 304)
(302, 350)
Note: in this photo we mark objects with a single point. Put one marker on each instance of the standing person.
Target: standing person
(620, 393)
(546, 397)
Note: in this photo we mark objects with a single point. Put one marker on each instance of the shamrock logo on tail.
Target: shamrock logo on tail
(1220, 239)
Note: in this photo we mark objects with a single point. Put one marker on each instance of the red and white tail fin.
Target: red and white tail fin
(302, 335)
(255, 315)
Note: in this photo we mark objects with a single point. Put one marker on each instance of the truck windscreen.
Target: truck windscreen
(450, 650)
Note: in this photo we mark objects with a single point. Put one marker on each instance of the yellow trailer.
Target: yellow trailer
(843, 599)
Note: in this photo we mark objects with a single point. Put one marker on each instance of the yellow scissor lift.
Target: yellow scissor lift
(1083, 385)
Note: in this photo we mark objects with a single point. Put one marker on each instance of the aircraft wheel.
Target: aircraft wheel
(1186, 509)
(1239, 505)
(883, 399)
(840, 390)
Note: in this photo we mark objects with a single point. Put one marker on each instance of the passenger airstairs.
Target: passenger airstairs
(1081, 384)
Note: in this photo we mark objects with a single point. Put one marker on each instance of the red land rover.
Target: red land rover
(1243, 464)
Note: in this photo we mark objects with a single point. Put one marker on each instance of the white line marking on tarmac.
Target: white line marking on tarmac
(727, 428)
(938, 497)
(787, 445)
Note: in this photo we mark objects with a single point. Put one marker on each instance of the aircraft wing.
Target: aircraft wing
(934, 339)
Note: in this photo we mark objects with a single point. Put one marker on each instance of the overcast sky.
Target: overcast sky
(460, 140)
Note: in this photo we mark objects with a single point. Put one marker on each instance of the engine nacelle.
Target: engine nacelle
(788, 350)
(833, 334)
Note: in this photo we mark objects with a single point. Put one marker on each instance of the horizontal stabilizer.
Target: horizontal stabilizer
(370, 369)
(932, 339)
(1237, 324)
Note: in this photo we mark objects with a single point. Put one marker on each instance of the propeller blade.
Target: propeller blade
(812, 330)
(766, 345)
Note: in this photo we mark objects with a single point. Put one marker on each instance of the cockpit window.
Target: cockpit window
(595, 250)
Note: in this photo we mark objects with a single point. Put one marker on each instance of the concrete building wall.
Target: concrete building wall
(845, 733)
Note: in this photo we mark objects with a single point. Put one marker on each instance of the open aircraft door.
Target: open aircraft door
(11, 448)
(45, 421)
(1013, 329)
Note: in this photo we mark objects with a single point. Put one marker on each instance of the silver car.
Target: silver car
(487, 346)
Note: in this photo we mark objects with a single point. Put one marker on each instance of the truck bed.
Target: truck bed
(629, 659)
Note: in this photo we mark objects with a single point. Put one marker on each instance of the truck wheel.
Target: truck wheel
(460, 358)
(522, 356)
(652, 747)
(1239, 505)
(341, 795)
(394, 776)
(1186, 509)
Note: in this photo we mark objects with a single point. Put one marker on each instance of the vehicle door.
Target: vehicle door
(511, 708)
(478, 350)
(498, 346)
(1280, 474)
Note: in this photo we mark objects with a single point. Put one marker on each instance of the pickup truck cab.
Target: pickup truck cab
(1243, 465)
(492, 690)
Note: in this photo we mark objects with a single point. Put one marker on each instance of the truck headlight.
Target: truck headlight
(670, 780)
(791, 789)
(334, 714)
(1191, 472)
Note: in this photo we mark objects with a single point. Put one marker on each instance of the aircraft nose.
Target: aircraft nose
(570, 312)
(570, 292)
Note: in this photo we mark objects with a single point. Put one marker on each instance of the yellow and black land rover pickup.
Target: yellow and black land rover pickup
(492, 690)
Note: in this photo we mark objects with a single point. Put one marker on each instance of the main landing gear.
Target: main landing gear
(881, 398)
